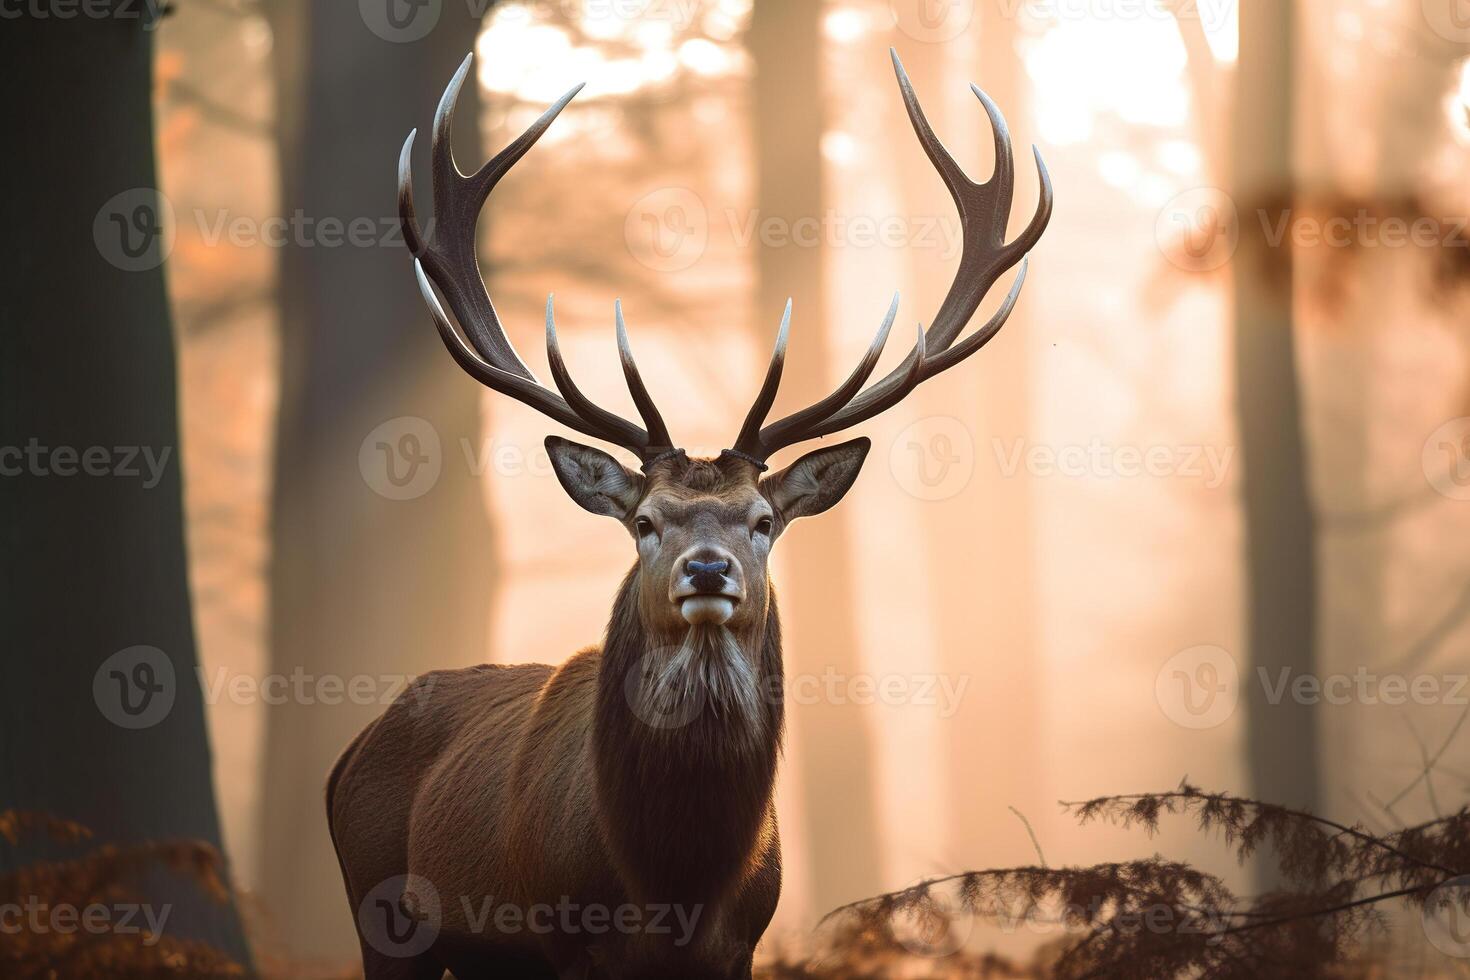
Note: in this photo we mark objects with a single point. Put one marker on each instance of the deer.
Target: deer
(614, 817)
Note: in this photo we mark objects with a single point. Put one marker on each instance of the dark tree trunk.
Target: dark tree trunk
(362, 584)
(93, 538)
(1280, 533)
(818, 590)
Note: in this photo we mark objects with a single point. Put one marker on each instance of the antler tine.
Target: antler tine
(952, 173)
(748, 441)
(909, 374)
(984, 209)
(930, 366)
(483, 181)
(450, 254)
(612, 426)
(809, 418)
(446, 259)
(658, 433)
(1004, 175)
(494, 377)
(955, 353)
(407, 218)
(441, 151)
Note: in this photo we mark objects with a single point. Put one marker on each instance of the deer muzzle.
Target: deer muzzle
(707, 589)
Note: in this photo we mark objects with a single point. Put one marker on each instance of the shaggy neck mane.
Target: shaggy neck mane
(686, 736)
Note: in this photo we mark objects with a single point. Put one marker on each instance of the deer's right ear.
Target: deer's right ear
(594, 479)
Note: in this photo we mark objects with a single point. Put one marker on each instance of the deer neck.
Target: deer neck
(685, 771)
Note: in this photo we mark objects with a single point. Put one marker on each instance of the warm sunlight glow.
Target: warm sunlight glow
(524, 53)
(704, 57)
(839, 148)
(1049, 581)
(1083, 70)
(1119, 169)
(846, 24)
(1180, 157)
(1457, 106)
(1222, 31)
(727, 19)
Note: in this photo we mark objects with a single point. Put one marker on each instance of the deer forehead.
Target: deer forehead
(678, 508)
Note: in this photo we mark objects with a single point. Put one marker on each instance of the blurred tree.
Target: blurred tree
(101, 716)
(362, 584)
(1280, 530)
(983, 620)
(818, 592)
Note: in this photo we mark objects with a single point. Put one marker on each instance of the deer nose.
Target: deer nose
(707, 576)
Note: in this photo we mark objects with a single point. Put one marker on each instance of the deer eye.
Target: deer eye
(643, 527)
(763, 526)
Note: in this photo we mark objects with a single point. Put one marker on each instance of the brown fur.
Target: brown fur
(532, 786)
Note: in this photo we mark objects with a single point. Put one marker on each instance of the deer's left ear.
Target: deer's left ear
(817, 481)
(594, 479)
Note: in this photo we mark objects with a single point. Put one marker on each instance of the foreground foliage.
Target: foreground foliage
(1157, 918)
(46, 929)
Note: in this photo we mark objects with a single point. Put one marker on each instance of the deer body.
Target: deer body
(572, 805)
(613, 817)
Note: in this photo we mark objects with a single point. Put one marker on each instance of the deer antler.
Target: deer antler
(984, 209)
(447, 260)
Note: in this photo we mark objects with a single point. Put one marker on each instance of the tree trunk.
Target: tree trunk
(94, 584)
(1280, 536)
(381, 569)
(984, 616)
(818, 582)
